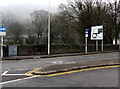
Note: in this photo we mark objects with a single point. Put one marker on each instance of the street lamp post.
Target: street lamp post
(49, 29)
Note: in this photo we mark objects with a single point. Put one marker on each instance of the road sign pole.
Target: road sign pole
(1, 56)
(119, 43)
(102, 46)
(86, 36)
(96, 45)
(85, 44)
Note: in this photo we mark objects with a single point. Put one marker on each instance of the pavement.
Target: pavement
(52, 55)
(52, 69)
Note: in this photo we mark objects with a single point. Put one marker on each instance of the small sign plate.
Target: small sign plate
(2, 33)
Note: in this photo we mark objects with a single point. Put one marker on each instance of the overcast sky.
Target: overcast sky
(25, 7)
(41, 3)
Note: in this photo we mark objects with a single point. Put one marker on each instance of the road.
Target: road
(92, 78)
(14, 73)
(35, 63)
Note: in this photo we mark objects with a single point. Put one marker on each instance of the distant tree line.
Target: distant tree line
(68, 24)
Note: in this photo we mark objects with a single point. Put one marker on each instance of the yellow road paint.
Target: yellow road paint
(30, 72)
(74, 71)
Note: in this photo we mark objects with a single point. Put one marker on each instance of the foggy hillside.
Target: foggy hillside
(23, 11)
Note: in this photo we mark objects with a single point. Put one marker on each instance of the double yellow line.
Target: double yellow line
(74, 71)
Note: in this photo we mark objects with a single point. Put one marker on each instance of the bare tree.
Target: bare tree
(16, 30)
(39, 19)
(114, 10)
(83, 14)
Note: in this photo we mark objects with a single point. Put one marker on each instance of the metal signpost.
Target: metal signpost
(96, 45)
(119, 41)
(2, 33)
(97, 34)
(86, 36)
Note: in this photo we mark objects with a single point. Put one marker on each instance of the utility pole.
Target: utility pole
(49, 29)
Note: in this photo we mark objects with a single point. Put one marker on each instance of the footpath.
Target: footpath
(50, 56)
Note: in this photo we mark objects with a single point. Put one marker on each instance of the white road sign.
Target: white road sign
(97, 33)
(2, 33)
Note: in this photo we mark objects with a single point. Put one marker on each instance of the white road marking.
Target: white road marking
(57, 62)
(54, 62)
(4, 73)
(16, 80)
(12, 74)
